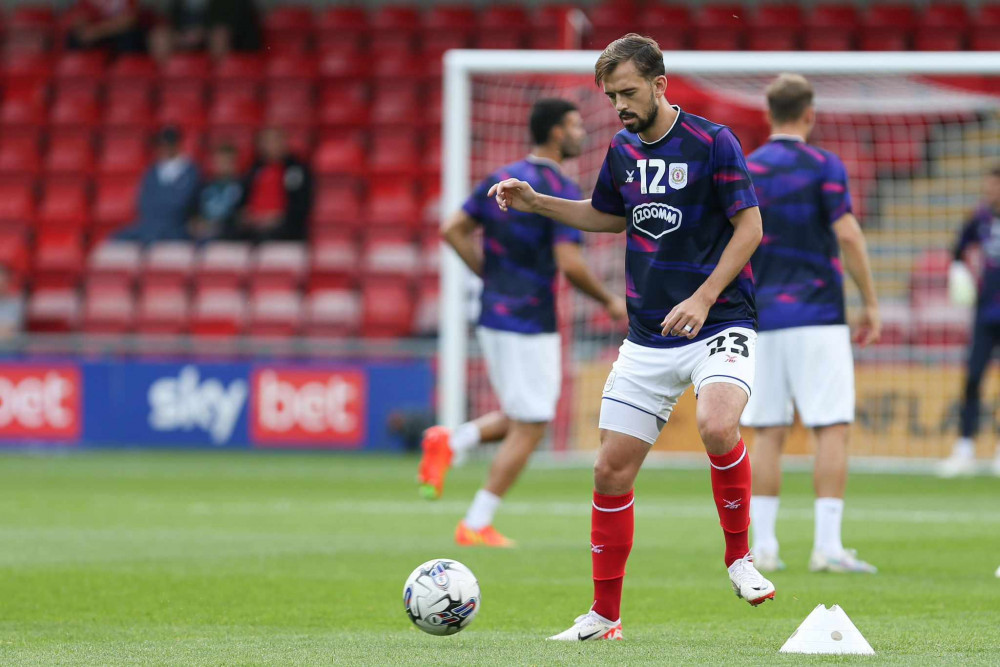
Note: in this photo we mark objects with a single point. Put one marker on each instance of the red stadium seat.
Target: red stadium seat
(187, 67)
(123, 154)
(238, 74)
(234, 112)
(387, 311)
(223, 264)
(117, 262)
(395, 153)
(345, 107)
(883, 39)
(133, 70)
(338, 207)
(187, 114)
(291, 114)
(392, 108)
(284, 68)
(833, 16)
(333, 263)
(391, 259)
(343, 62)
(17, 206)
(332, 313)
(53, 310)
(218, 312)
(169, 264)
(392, 204)
(19, 160)
(425, 319)
(448, 18)
(163, 310)
(74, 113)
(401, 20)
(503, 27)
(778, 15)
(77, 65)
(30, 68)
(988, 15)
(21, 118)
(668, 25)
(73, 156)
(14, 255)
(341, 25)
(828, 39)
(288, 23)
(889, 15)
(133, 113)
(939, 39)
(115, 203)
(109, 311)
(772, 39)
(58, 259)
(396, 65)
(952, 16)
(64, 206)
(279, 265)
(942, 325)
(985, 38)
(339, 156)
(275, 313)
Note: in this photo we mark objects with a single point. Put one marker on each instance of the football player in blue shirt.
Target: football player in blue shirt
(978, 246)
(518, 261)
(678, 185)
(804, 353)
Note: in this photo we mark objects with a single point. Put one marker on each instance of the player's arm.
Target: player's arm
(961, 278)
(458, 231)
(855, 253)
(693, 311)
(520, 196)
(569, 259)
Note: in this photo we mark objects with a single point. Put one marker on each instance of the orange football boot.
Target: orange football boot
(434, 462)
(484, 537)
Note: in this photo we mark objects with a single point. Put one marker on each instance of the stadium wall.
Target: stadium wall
(209, 404)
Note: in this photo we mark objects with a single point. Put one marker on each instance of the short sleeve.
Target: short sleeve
(834, 190)
(607, 198)
(479, 198)
(730, 175)
(564, 233)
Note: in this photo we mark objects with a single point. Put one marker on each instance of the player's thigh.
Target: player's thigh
(525, 371)
(619, 459)
(821, 370)
(640, 392)
(770, 403)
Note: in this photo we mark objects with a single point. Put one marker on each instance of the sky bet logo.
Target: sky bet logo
(187, 402)
(655, 219)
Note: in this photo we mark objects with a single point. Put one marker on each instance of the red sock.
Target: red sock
(731, 488)
(612, 524)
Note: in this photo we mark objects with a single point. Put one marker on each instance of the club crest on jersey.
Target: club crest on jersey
(655, 219)
(677, 175)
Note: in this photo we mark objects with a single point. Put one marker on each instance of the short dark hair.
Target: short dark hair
(643, 51)
(788, 97)
(545, 115)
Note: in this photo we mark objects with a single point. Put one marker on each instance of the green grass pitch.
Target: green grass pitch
(219, 558)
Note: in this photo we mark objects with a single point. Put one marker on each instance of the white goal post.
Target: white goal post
(460, 68)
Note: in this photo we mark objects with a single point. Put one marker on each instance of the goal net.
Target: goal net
(917, 133)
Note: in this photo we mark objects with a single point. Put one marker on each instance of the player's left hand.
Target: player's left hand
(869, 327)
(687, 317)
(616, 309)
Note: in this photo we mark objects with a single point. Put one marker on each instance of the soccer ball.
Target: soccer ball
(441, 596)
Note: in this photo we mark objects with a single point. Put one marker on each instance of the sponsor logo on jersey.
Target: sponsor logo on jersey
(40, 402)
(629, 176)
(188, 402)
(677, 175)
(655, 219)
(315, 407)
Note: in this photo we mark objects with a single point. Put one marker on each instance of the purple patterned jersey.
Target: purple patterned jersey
(802, 191)
(519, 267)
(983, 231)
(677, 195)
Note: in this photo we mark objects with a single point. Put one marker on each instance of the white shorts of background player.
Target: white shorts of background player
(525, 371)
(809, 369)
(646, 382)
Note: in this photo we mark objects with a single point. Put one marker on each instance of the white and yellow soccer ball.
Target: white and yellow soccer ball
(441, 596)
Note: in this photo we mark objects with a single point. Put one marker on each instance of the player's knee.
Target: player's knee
(611, 479)
(718, 434)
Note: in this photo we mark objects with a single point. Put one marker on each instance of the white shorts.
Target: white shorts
(525, 371)
(809, 369)
(646, 382)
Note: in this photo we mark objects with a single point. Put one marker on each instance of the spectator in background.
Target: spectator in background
(168, 194)
(115, 25)
(11, 307)
(278, 193)
(220, 198)
(220, 26)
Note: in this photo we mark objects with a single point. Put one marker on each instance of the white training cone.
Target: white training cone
(827, 631)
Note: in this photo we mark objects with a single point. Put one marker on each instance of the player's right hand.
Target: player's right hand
(869, 326)
(515, 194)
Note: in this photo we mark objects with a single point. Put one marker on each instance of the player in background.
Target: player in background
(977, 252)
(804, 358)
(678, 185)
(518, 262)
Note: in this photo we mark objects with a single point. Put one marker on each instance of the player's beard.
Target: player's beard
(643, 123)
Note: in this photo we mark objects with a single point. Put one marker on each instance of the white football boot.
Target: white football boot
(748, 583)
(767, 561)
(846, 561)
(590, 627)
(961, 463)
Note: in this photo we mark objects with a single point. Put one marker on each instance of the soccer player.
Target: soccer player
(518, 261)
(978, 246)
(804, 345)
(678, 185)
